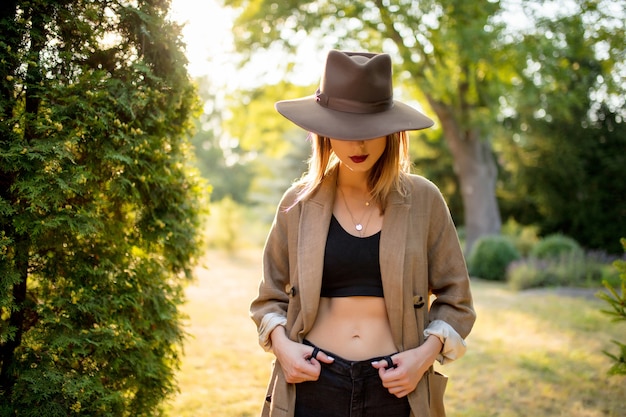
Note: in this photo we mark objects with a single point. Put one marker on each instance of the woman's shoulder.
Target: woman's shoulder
(417, 183)
(290, 197)
(305, 190)
(420, 193)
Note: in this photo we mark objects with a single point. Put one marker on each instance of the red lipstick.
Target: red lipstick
(357, 159)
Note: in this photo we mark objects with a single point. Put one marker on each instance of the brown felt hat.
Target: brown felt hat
(354, 100)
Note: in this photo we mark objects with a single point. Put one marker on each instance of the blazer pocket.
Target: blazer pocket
(436, 389)
(265, 412)
(277, 398)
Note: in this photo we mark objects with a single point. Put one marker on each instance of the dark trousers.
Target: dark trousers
(348, 389)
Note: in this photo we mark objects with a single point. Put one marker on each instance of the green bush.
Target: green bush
(554, 246)
(529, 273)
(568, 270)
(523, 237)
(490, 257)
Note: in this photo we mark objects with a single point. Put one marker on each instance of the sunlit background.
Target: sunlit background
(109, 177)
(210, 50)
(207, 33)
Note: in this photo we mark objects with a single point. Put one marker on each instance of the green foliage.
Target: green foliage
(457, 82)
(219, 158)
(560, 172)
(233, 226)
(255, 123)
(523, 237)
(99, 209)
(556, 246)
(571, 269)
(568, 183)
(555, 85)
(490, 257)
(224, 224)
(617, 303)
(559, 261)
(434, 161)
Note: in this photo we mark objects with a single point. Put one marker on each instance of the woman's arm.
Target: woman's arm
(269, 309)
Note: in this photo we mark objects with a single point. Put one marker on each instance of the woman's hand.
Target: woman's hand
(410, 366)
(296, 359)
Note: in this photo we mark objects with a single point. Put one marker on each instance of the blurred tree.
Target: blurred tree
(98, 208)
(464, 59)
(435, 43)
(565, 170)
(220, 158)
(434, 161)
(572, 178)
(278, 149)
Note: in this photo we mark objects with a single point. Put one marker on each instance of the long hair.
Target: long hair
(384, 177)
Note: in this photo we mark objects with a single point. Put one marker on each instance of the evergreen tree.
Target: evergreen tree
(98, 210)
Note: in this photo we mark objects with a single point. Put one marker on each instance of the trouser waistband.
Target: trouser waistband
(353, 369)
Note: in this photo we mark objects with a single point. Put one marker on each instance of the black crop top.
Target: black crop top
(351, 264)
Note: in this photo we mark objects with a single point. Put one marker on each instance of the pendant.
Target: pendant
(358, 227)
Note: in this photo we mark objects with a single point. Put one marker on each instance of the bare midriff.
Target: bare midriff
(355, 328)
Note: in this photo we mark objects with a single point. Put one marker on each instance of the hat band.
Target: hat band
(352, 106)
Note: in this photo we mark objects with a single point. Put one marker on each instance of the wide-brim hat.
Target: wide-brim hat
(354, 100)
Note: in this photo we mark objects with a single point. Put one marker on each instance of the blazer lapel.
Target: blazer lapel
(313, 231)
(392, 249)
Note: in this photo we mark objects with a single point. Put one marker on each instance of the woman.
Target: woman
(357, 248)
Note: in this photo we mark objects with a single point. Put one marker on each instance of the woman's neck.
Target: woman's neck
(353, 181)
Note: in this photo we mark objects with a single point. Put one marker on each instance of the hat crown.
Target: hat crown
(354, 100)
(356, 82)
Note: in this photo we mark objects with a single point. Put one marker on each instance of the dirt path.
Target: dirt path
(224, 370)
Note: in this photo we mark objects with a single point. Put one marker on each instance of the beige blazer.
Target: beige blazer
(420, 255)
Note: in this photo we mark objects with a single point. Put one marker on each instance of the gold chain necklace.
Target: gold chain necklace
(357, 225)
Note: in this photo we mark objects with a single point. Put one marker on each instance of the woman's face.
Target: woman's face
(359, 155)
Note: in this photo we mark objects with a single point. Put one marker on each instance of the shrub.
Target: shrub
(523, 237)
(617, 304)
(555, 246)
(569, 270)
(490, 257)
(529, 273)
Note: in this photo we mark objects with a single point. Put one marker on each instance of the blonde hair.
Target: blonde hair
(385, 176)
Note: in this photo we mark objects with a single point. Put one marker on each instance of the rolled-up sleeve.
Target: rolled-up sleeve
(453, 344)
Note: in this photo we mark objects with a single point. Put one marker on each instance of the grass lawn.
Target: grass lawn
(531, 354)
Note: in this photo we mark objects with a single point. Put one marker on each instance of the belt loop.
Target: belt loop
(316, 350)
(390, 364)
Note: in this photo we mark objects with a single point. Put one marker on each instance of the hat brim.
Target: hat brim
(309, 115)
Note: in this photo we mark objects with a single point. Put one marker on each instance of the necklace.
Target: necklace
(357, 225)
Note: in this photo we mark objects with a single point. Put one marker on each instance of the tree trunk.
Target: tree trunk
(475, 167)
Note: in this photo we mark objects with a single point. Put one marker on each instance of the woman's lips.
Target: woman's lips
(357, 159)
